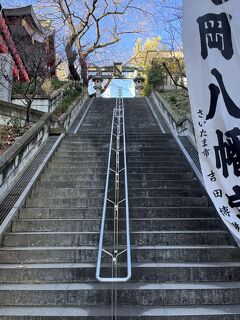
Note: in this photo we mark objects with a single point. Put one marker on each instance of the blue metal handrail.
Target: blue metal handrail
(118, 121)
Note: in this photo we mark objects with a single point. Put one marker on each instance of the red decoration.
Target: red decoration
(3, 48)
(2, 22)
(25, 76)
(6, 45)
(16, 72)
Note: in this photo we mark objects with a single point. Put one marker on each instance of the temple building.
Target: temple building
(33, 38)
(8, 51)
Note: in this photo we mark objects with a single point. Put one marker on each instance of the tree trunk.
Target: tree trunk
(84, 70)
(28, 112)
(172, 78)
(71, 57)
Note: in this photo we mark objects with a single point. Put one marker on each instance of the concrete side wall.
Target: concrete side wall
(70, 116)
(67, 119)
(9, 111)
(43, 103)
(182, 127)
(16, 158)
(170, 86)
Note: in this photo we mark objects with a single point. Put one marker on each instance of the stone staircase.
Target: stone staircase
(185, 263)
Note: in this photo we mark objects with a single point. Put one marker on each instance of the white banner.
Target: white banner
(212, 56)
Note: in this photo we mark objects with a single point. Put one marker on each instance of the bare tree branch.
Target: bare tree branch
(172, 78)
(94, 25)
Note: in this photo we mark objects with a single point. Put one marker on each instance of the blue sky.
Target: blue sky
(127, 87)
(123, 50)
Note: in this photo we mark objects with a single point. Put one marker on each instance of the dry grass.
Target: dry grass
(8, 135)
(178, 100)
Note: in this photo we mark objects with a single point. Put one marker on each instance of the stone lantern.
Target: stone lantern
(139, 85)
(98, 80)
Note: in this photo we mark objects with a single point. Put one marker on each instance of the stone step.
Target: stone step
(98, 125)
(131, 176)
(77, 171)
(86, 146)
(103, 170)
(93, 133)
(105, 138)
(86, 254)
(143, 192)
(71, 184)
(97, 122)
(133, 202)
(88, 138)
(129, 131)
(136, 124)
(144, 272)
(156, 184)
(81, 164)
(140, 131)
(96, 153)
(91, 225)
(87, 132)
(131, 164)
(136, 158)
(86, 213)
(199, 312)
(159, 142)
(161, 169)
(145, 238)
(151, 294)
(82, 154)
(94, 158)
(76, 150)
(71, 144)
(67, 177)
(80, 135)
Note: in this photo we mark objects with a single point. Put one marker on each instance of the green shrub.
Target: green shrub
(173, 99)
(17, 125)
(147, 90)
(178, 101)
(57, 84)
(69, 96)
(156, 76)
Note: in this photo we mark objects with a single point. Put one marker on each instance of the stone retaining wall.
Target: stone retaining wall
(181, 126)
(43, 103)
(66, 120)
(9, 111)
(17, 157)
